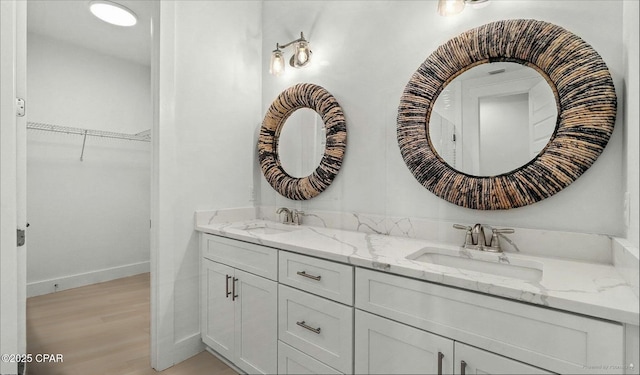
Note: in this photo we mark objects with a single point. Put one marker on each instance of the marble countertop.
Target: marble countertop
(592, 289)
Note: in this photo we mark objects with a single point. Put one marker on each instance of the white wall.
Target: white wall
(365, 53)
(210, 84)
(76, 86)
(89, 219)
(631, 115)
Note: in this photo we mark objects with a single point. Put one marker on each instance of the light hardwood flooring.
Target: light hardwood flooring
(102, 329)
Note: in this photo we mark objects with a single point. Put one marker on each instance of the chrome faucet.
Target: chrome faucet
(478, 238)
(475, 238)
(288, 215)
(291, 217)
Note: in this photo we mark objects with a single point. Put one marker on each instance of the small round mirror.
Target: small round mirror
(493, 118)
(313, 142)
(302, 142)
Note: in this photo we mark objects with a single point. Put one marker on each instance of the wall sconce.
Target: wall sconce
(451, 7)
(301, 55)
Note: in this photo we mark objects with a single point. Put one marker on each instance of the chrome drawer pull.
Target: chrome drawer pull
(305, 274)
(303, 325)
(463, 367)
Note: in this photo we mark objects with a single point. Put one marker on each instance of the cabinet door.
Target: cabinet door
(217, 319)
(256, 321)
(470, 360)
(383, 346)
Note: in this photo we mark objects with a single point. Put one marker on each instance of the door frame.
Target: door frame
(162, 340)
(12, 182)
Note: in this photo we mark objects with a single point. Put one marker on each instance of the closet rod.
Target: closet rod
(142, 136)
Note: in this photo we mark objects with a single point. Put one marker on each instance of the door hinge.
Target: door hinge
(21, 237)
(20, 107)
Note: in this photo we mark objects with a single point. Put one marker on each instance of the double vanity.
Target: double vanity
(294, 299)
(321, 299)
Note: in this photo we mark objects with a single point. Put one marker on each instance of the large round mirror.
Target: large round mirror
(301, 142)
(586, 115)
(493, 118)
(288, 155)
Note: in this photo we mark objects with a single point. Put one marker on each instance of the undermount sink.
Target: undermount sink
(477, 261)
(269, 228)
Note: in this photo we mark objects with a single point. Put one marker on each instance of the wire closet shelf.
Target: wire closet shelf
(144, 136)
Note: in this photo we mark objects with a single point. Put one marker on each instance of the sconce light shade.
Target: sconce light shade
(450, 7)
(301, 55)
(276, 67)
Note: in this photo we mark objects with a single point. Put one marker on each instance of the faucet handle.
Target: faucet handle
(463, 227)
(496, 233)
(297, 217)
(503, 230)
(468, 239)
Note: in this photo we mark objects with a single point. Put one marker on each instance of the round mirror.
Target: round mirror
(493, 118)
(301, 142)
(311, 137)
(585, 120)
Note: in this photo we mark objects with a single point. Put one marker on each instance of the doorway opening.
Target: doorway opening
(89, 150)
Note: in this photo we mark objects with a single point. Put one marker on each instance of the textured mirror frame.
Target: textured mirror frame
(586, 101)
(302, 95)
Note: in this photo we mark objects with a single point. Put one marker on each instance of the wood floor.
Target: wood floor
(101, 329)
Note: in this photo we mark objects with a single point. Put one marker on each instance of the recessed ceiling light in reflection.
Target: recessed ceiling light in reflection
(113, 13)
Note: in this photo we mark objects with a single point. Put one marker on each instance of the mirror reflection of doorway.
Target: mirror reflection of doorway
(485, 105)
(496, 155)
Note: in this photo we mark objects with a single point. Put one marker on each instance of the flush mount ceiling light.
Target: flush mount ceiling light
(451, 7)
(301, 55)
(113, 13)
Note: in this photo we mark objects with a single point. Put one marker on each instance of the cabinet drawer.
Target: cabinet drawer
(558, 341)
(294, 362)
(324, 278)
(255, 259)
(318, 327)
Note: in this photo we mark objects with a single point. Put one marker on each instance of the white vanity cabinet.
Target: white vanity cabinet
(315, 315)
(273, 311)
(543, 338)
(239, 309)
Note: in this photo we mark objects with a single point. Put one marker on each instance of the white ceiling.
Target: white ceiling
(71, 21)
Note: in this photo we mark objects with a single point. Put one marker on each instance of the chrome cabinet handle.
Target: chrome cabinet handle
(463, 367)
(227, 286)
(440, 357)
(234, 295)
(303, 325)
(305, 274)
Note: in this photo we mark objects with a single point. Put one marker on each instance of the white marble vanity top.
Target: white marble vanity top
(592, 289)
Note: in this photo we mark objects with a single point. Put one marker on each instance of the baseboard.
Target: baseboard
(187, 348)
(38, 288)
